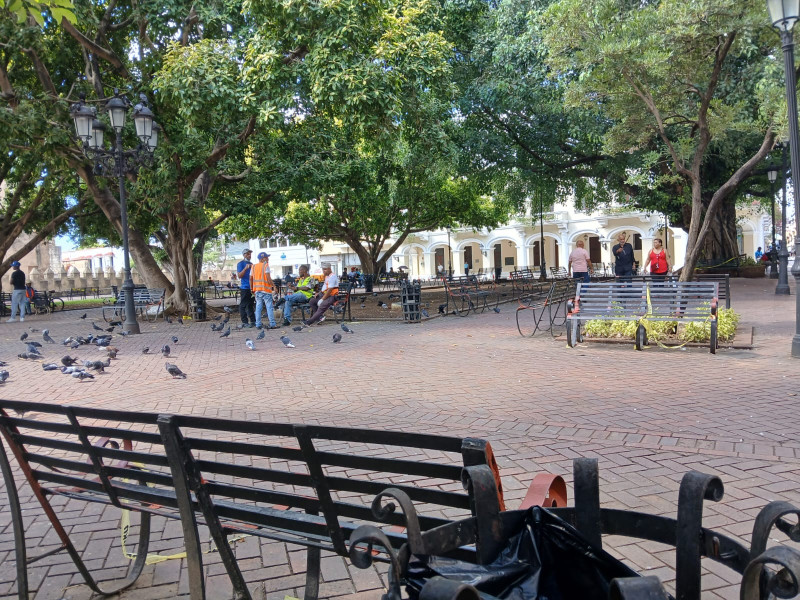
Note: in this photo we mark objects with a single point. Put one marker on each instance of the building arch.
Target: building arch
(536, 236)
(501, 238)
(464, 243)
(612, 233)
(591, 233)
(409, 247)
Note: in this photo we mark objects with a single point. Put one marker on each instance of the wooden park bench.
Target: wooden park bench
(465, 295)
(643, 300)
(306, 485)
(545, 307)
(144, 301)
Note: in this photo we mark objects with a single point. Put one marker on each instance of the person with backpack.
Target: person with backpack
(658, 260)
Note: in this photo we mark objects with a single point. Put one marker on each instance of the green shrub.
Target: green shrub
(692, 331)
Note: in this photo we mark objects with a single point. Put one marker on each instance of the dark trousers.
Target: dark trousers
(247, 306)
(582, 275)
(319, 307)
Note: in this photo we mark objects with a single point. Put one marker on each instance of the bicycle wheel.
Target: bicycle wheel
(56, 303)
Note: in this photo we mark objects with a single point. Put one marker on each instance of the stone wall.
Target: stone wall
(62, 281)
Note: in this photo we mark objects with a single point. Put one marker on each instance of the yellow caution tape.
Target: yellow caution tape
(646, 324)
(153, 559)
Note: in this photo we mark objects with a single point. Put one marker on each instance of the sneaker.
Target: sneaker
(286, 323)
(321, 319)
(259, 327)
(10, 320)
(276, 326)
(21, 319)
(251, 325)
(305, 324)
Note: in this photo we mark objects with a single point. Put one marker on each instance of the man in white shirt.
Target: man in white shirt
(327, 296)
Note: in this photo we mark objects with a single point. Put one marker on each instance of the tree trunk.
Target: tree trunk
(146, 265)
(180, 243)
(721, 241)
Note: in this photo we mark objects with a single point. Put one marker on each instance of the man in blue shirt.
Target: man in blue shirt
(246, 300)
(623, 256)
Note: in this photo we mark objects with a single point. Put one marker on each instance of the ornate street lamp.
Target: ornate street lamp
(542, 266)
(784, 14)
(118, 162)
(450, 255)
(772, 175)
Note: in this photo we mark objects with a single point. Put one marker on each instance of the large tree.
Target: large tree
(677, 79)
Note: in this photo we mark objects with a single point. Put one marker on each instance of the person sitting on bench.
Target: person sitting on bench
(323, 301)
(303, 290)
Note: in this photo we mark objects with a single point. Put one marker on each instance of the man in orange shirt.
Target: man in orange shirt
(261, 284)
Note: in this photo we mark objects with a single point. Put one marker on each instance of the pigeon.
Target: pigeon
(33, 350)
(384, 306)
(180, 321)
(227, 309)
(363, 304)
(240, 326)
(346, 329)
(262, 335)
(165, 351)
(496, 309)
(298, 329)
(3, 363)
(81, 375)
(95, 327)
(393, 296)
(68, 341)
(3, 377)
(441, 308)
(83, 316)
(250, 344)
(112, 353)
(32, 330)
(50, 367)
(34, 343)
(75, 345)
(110, 329)
(146, 349)
(68, 361)
(29, 356)
(124, 333)
(98, 366)
(69, 370)
(374, 294)
(23, 337)
(225, 320)
(227, 333)
(218, 317)
(115, 323)
(337, 337)
(168, 319)
(46, 337)
(174, 371)
(102, 343)
(287, 342)
(174, 339)
(425, 313)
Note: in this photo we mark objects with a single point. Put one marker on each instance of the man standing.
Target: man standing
(261, 284)
(466, 269)
(303, 290)
(246, 311)
(623, 255)
(18, 295)
(322, 301)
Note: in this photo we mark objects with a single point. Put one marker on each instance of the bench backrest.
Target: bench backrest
(252, 471)
(559, 272)
(723, 285)
(658, 300)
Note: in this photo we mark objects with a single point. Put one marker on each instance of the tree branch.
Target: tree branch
(96, 49)
(220, 151)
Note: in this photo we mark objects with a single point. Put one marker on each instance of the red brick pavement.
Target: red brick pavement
(647, 416)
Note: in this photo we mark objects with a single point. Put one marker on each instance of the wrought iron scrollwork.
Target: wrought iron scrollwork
(479, 483)
(371, 535)
(772, 515)
(637, 588)
(760, 582)
(382, 512)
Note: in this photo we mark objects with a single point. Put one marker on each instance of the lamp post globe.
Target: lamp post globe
(82, 116)
(143, 119)
(98, 131)
(784, 14)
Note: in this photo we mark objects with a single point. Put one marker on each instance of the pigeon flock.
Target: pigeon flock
(101, 338)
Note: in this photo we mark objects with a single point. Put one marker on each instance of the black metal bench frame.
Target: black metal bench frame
(170, 480)
(479, 539)
(465, 295)
(143, 300)
(551, 299)
(643, 299)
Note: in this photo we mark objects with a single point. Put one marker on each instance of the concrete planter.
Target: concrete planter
(753, 271)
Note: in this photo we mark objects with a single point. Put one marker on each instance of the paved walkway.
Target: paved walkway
(647, 416)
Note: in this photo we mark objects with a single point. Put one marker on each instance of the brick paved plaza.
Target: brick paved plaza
(647, 416)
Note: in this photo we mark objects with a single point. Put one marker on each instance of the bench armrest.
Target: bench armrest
(546, 490)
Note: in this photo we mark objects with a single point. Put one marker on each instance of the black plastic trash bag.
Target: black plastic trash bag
(547, 559)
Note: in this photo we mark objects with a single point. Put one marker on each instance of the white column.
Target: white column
(522, 257)
(429, 268)
(458, 263)
(647, 245)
